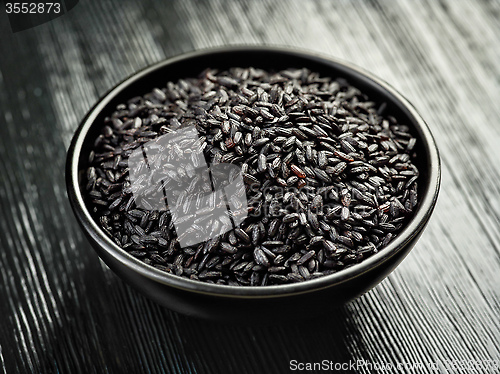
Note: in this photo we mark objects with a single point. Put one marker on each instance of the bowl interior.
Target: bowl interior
(192, 64)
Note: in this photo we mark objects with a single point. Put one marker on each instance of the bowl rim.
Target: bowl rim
(412, 228)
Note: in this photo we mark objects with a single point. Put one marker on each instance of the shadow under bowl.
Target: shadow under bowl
(245, 303)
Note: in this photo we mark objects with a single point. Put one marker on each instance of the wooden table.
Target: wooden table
(62, 310)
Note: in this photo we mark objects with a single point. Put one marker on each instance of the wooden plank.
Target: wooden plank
(63, 310)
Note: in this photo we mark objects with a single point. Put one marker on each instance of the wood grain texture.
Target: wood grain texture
(63, 311)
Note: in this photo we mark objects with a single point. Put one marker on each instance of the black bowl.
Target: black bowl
(253, 303)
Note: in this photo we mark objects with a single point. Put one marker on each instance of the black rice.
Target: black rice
(329, 176)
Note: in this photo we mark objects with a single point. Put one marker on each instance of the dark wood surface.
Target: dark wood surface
(62, 310)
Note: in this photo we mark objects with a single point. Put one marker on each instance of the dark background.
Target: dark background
(62, 310)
